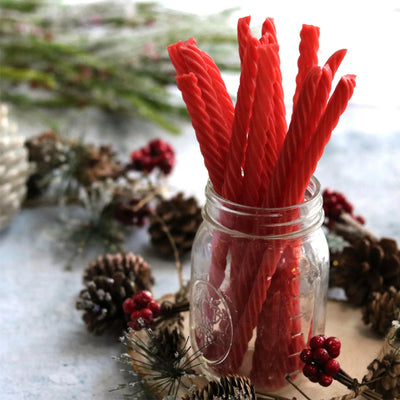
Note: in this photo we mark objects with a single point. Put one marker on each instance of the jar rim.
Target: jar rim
(253, 209)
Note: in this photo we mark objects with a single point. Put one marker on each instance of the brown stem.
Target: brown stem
(169, 310)
(355, 386)
(350, 229)
(174, 249)
(146, 199)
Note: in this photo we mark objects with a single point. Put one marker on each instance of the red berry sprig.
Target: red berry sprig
(334, 204)
(157, 154)
(132, 213)
(142, 310)
(320, 364)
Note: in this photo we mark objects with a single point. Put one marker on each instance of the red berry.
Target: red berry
(147, 315)
(135, 315)
(129, 306)
(157, 154)
(325, 380)
(320, 356)
(135, 325)
(315, 378)
(310, 370)
(142, 298)
(332, 345)
(317, 341)
(306, 356)
(155, 307)
(332, 367)
(360, 219)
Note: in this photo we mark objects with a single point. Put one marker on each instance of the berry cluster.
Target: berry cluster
(319, 358)
(157, 154)
(142, 310)
(335, 203)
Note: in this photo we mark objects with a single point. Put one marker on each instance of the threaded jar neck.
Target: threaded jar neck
(270, 223)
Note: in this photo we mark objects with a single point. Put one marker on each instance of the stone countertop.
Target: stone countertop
(45, 351)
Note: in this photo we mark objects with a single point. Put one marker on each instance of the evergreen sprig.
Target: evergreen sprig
(101, 54)
(158, 371)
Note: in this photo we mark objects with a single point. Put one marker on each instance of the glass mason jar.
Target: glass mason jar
(259, 282)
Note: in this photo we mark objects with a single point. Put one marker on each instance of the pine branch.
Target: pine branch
(101, 55)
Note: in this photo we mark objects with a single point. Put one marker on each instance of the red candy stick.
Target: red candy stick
(243, 331)
(278, 126)
(174, 52)
(336, 106)
(308, 58)
(196, 64)
(335, 60)
(283, 343)
(221, 92)
(237, 147)
(269, 31)
(269, 27)
(254, 159)
(191, 94)
(244, 36)
(293, 144)
(261, 142)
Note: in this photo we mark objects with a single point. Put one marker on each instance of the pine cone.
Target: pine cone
(366, 267)
(382, 309)
(233, 387)
(109, 281)
(48, 152)
(169, 341)
(97, 164)
(45, 148)
(181, 218)
(384, 376)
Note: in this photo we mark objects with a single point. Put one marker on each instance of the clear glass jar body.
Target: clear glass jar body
(259, 282)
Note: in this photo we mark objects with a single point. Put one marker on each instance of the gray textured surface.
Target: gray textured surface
(45, 351)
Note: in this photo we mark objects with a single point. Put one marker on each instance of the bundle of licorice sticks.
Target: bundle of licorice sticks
(255, 159)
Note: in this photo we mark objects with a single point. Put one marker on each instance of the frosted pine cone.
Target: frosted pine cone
(48, 151)
(97, 164)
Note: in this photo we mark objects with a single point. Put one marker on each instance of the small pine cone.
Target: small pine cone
(97, 164)
(48, 152)
(132, 270)
(170, 341)
(181, 218)
(366, 267)
(232, 387)
(45, 148)
(382, 309)
(109, 281)
(384, 375)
